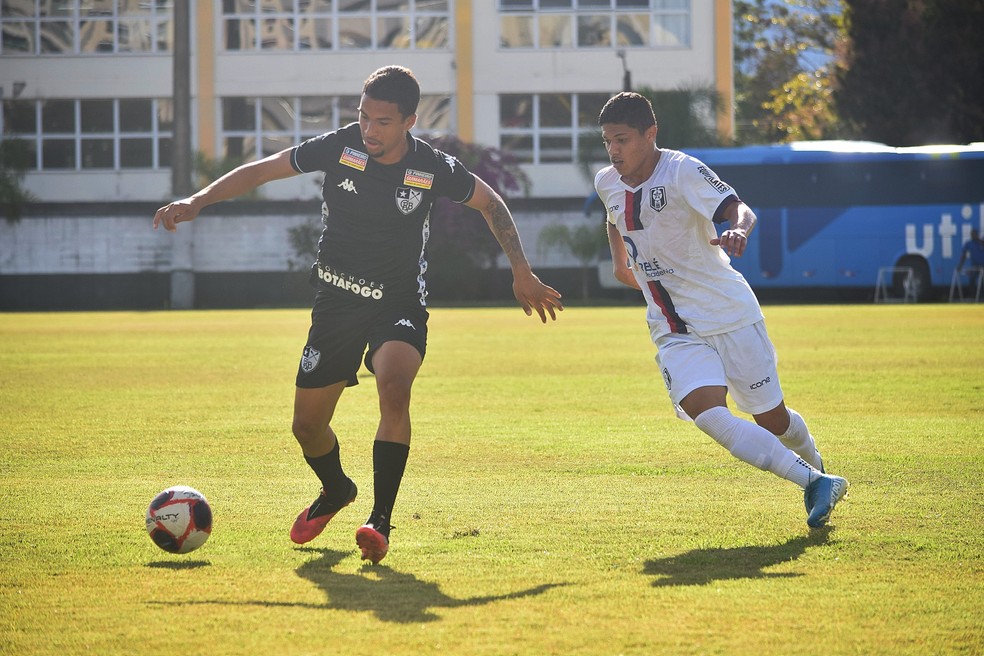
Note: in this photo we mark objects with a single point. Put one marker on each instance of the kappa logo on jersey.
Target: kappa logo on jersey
(405, 322)
(420, 179)
(657, 198)
(354, 158)
(713, 180)
(348, 185)
(407, 199)
(310, 359)
(451, 161)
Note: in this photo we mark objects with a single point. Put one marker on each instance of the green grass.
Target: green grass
(552, 504)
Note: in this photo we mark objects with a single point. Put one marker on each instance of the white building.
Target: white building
(87, 86)
(87, 83)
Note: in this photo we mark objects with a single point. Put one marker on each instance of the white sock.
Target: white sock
(753, 444)
(798, 440)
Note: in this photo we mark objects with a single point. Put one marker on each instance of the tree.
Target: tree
(455, 226)
(915, 71)
(13, 166)
(686, 115)
(786, 58)
(206, 169)
(584, 242)
(461, 244)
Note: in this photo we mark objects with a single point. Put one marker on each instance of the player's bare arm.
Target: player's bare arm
(741, 220)
(531, 293)
(239, 181)
(620, 258)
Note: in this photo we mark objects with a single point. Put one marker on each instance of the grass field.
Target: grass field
(552, 504)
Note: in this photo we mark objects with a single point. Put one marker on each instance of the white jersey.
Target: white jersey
(667, 224)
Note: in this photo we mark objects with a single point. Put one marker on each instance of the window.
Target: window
(554, 127)
(257, 127)
(336, 25)
(594, 23)
(112, 134)
(28, 27)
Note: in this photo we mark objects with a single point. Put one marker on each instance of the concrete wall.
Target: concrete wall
(96, 255)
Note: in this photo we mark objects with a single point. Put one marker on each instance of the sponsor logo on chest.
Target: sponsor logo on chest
(354, 158)
(651, 268)
(421, 179)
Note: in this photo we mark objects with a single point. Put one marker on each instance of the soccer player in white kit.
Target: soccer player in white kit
(705, 320)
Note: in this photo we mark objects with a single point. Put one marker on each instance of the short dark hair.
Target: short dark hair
(395, 84)
(628, 108)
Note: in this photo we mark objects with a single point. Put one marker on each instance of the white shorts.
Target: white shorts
(742, 360)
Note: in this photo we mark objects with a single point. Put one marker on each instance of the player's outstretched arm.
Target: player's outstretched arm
(530, 292)
(239, 181)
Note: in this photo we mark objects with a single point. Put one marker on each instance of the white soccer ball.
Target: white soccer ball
(179, 519)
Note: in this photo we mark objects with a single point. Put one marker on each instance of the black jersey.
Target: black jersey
(377, 216)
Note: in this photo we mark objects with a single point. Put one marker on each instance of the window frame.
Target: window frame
(660, 17)
(38, 137)
(343, 111)
(158, 16)
(578, 134)
(414, 17)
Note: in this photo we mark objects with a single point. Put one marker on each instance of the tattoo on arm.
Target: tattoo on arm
(504, 228)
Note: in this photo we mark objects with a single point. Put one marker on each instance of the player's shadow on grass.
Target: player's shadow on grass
(393, 596)
(703, 566)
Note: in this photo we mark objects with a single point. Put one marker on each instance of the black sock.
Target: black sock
(329, 469)
(389, 461)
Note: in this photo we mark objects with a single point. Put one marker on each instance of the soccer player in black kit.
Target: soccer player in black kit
(380, 183)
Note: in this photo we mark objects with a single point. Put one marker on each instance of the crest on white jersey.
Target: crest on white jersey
(408, 199)
(657, 198)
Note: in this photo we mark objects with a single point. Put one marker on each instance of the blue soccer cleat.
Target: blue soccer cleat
(820, 498)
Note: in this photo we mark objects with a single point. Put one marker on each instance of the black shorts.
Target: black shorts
(342, 329)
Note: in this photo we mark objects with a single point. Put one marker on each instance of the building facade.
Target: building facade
(87, 84)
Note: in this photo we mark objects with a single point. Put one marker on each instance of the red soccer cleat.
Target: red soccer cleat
(372, 542)
(313, 519)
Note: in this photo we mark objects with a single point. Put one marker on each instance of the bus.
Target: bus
(839, 215)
